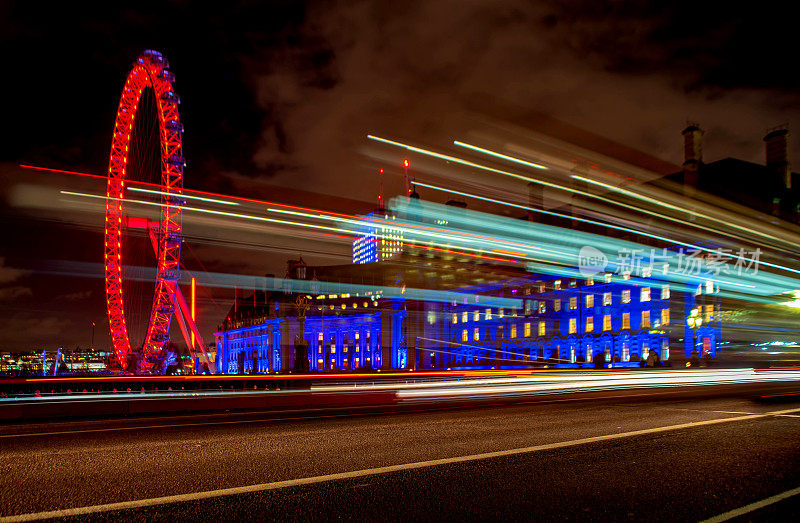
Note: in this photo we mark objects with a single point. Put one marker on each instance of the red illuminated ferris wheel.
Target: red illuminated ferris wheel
(149, 71)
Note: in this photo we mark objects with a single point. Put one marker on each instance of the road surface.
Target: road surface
(617, 457)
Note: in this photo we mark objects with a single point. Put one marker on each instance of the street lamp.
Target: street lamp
(694, 321)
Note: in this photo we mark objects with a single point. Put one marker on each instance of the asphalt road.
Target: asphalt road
(635, 457)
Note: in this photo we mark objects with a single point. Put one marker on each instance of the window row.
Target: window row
(540, 306)
(572, 327)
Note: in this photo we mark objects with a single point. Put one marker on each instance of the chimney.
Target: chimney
(777, 154)
(692, 154)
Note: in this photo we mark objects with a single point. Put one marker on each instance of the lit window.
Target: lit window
(541, 328)
(476, 316)
(589, 300)
(626, 296)
(572, 282)
(607, 277)
(527, 306)
(464, 335)
(665, 292)
(541, 286)
(589, 281)
(464, 317)
(513, 330)
(476, 334)
(606, 298)
(709, 287)
(488, 314)
(573, 325)
(589, 323)
(499, 332)
(626, 320)
(527, 330)
(626, 275)
(431, 317)
(607, 322)
(645, 294)
(542, 307)
(573, 303)
(455, 318)
(709, 312)
(645, 319)
(557, 305)
(646, 272)
(664, 316)
(557, 284)
(501, 313)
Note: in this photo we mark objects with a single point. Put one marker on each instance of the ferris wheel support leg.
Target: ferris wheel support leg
(184, 330)
(185, 315)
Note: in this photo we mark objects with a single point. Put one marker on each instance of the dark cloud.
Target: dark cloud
(14, 292)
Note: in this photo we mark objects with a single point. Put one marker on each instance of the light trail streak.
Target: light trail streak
(633, 195)
(269, 220)
(499, 155)
(546, 382)
(602, 224)
(673, 207)
(180, 195)
(569, 190)
(525, 178)
(412, 228)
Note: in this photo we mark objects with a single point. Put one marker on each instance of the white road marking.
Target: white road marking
(261, 487)
(735, 513)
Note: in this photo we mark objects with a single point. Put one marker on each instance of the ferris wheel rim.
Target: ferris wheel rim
(149, 70)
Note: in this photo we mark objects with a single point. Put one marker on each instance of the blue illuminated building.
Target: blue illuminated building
(554, 320)
(498, 316)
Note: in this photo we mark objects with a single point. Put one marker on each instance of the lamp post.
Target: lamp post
(694, 321)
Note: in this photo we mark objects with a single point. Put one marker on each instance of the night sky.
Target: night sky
(282, 94)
